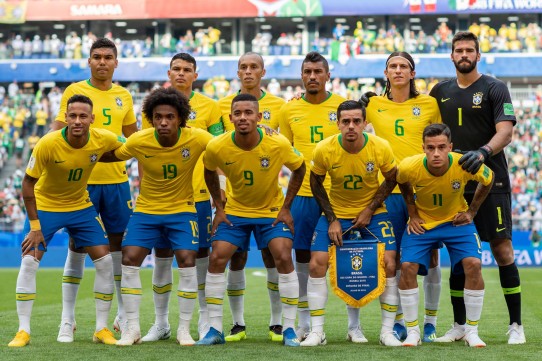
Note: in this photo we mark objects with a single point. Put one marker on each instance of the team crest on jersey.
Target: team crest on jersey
(477, 98)
(370, 166)
(93, 158)
(266, 114)
(357, 263)
(118, 100)
(456, 184)
(416, 110)
(192, 115)
(185, 153)
(265, 161)
(332, 116)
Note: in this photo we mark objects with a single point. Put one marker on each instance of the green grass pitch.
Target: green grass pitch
(47, 310)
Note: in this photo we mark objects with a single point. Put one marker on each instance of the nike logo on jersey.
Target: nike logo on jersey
(296, 119)
(335, 166)
(149, 156)
(442, 100)
(500, 229)
(382, 110)
(419, 186)
(59, 161)
(230, 163)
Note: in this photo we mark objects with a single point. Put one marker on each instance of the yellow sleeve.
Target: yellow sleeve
(318, 163)
(402, 172)
(209, 159)
(37, 160)
(284, 124)
(130, 117)
(484, 175)
(388, 159)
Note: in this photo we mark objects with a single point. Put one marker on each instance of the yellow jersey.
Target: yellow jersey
(439, 199)
(305, 125)
(204, 114)
(354, 177)
(112, 110)
(269, 105)
(254, 191)
(63, 171)
(166, 187)
(402, 124)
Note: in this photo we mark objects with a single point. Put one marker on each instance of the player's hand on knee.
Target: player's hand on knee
(366, 98)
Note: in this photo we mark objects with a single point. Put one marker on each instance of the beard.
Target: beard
(465, 66)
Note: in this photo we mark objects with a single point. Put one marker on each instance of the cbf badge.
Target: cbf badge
(356, 271)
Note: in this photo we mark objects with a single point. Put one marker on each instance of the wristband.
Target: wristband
(35, 225)
(222, 181)
(488, 149)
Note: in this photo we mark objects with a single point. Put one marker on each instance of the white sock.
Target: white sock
(117, 274)
(399, 318)
(187, 293)
(25, 292)
(431, 288)
(215, 286)
(474, 300)
(202, 264)
(353, 317)
(303, 312)
(388, 304)
(103, 289)
(410, 299)
(289, 296)
(162, 279)
(131, 294)
(71, 278)
(236, 295)
(275, 296)
(317, 296)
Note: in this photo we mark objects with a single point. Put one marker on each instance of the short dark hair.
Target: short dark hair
(413, 92)
(350, 105)
(166, 96)
(315, 57)
(79, 98)
(434, 130)
(466, 36)
(103, 43)
(250, 53)
(243, 97)
(186, 57)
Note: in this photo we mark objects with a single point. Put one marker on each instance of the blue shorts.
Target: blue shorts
(205, 214)
(461, 242)
(84, 226)
(398, 215)
(177, 231)
(380, 227)
(306, 213)
(239, 233)
(113, 203)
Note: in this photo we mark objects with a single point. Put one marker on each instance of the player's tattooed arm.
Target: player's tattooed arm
(320, 194)
(384, 190)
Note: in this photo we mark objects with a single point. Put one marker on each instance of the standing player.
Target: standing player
(252, 162)
(400, 116)
(305, 122)
(55, 196)
(480, 114)
(353, 160)
(108, 185)
(205, 115)
(168, 154)
(440, 214)
(250, 70)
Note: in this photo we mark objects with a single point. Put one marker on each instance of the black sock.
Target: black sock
(457, 285)
(511, 288)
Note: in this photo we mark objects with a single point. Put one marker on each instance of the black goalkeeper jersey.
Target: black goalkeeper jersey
(472, 114)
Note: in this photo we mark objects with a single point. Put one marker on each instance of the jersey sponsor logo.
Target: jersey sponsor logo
(230, 163)
(266, 114)
(296, 119)
(332, 116)
(59, 161)
(93, 158)
(381, 110)
(416, 111)
(391, 242)
(185, 153)
(500, 229)
(149, 156)
(118, 101)
(477, 98)
(444, 100)
(265, 161)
